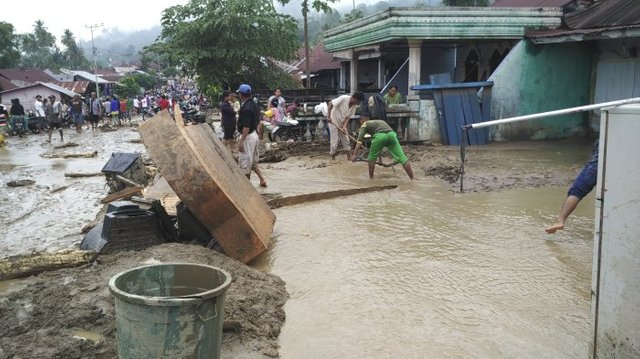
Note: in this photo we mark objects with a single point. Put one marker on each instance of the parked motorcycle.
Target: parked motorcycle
(191, 114)
(17, 126)
(146, 113)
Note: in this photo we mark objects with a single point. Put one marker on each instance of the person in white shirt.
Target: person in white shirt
(340, 111)
(39, 110)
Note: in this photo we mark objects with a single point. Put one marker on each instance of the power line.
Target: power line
(93, 48)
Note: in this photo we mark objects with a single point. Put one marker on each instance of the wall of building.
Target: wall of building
(27, 96)
(540, 78)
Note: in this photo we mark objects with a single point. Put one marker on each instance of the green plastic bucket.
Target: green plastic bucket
(170, 310)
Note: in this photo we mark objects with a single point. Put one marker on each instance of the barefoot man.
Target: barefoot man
(381, 136)
(582, 185)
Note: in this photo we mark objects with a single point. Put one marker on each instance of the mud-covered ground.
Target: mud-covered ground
(69, 313)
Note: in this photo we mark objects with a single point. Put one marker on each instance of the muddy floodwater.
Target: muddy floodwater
(424, 272)
(49, 214)
(420, 271)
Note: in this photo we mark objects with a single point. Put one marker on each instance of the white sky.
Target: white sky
(126, 15)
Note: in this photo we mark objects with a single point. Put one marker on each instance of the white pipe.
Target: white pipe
(394, 76)
(554, 113)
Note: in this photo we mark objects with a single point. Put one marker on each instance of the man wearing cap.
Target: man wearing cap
(340, 111)
(381, 136)
(53, 112)
(248, 120)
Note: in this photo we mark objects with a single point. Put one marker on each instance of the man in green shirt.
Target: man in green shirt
(393, 97)
(381, 136)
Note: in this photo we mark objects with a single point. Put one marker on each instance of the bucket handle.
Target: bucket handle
(215, 311)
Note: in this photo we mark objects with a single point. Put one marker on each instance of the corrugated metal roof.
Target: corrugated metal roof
(91, 77)
(49, 85)
(75, 86)
(605, 14)
(16, 78)
(530, 3)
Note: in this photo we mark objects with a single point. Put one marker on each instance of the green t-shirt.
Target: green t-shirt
(393, 100)
(372, 127)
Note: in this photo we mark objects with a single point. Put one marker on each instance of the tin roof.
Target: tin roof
(605, 14)
(603, 19)
(530, 3)
(16, 78)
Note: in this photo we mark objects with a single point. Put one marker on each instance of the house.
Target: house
(15, 78)
(539, 58)
(325, 69)
(27, 94)
(405, 46)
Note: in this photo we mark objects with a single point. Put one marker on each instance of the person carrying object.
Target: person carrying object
(248, 120)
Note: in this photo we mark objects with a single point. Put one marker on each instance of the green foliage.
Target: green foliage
(147, 82)
(465, 2)
(9, 53)
(38, 48)
(128, 86)
(225, 41)
(73, 55)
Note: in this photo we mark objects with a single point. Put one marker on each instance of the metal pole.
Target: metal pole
(554, 113)
(394, 76)
(95, 66)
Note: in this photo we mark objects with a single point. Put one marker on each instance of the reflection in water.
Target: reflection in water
(420, 272)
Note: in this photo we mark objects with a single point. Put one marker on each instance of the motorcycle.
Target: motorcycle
(17, 126)
(34, 124)
(192, 114)
(146, 113)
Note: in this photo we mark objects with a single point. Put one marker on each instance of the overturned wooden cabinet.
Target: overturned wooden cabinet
(209, 182)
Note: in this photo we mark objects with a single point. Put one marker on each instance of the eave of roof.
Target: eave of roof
(441, 23)
(560, 36)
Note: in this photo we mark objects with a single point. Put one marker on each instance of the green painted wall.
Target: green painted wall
(540, 78)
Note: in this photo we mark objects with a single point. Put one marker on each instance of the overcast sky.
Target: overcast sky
(75, 15)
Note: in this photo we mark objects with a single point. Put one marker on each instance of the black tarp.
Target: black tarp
(120, 162)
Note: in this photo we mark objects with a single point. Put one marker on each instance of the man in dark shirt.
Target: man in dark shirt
(17, 115)
(228, 120)
(248, 120)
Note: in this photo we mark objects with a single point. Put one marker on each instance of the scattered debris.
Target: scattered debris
(20, 183)
(135, 140)
(309, 197)
(23, 266)
(70, 155)
(87, 174)
(59, 189)
(65, 145)
(124, 194)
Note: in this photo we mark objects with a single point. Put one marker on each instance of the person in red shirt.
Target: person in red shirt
(163, 103)
(123, 110)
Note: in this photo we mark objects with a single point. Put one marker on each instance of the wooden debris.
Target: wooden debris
(58, 189)
(70, 155)
(87, 174)
(124, 194)
(207, 180)
(309, 197)
(23, 266)
(65, 145)
(20, 183)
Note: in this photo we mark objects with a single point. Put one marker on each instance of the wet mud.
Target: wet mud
(69, 313)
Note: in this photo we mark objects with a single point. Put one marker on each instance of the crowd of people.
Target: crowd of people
(243, 123)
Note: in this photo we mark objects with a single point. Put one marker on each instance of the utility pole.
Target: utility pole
(95, 66)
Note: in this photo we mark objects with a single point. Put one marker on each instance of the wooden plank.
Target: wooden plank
(455, 115)
(477, 117)
(466, 101)
(24, 266)
(442, 118)
(125, 193)
(204, 175)
(310, 197)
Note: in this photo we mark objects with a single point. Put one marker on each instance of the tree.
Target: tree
(128, 86)
(9, 53)
(73, 55)
(465, 2)
(317, 5)
(38, 48)
(226, 41)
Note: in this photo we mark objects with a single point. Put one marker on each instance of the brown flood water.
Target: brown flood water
(422, 272)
